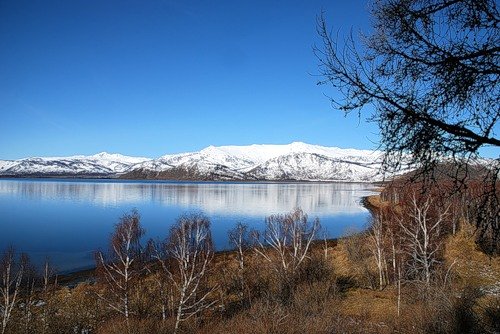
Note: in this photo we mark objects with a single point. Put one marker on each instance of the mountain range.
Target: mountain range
(292, 162)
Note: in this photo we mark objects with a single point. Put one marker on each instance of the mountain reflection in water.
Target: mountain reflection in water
(69, 219)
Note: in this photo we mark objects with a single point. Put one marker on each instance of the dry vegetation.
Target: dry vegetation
(417, 269)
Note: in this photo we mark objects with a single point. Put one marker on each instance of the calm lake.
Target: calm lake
(67, 220)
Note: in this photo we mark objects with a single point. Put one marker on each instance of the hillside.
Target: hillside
(293, 162)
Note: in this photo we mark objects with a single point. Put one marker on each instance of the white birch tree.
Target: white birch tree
(186, 260)
(11, 273)
(122, 266)
(239, 238)
(289, 237)
(377, 247)
(422, 233)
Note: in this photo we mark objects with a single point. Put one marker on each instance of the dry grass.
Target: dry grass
(471, 266)
(376, 201)
(330, 294)
(374, 305)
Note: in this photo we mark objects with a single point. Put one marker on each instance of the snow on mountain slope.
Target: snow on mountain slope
(6, 164)
(312, 166)
(295, 161)
(203, 159)
(98, 164)
(114, 157)
(210, 156)
(115, 162)
(263, 153)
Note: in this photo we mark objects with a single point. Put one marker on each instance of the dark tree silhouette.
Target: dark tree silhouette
(431, 71)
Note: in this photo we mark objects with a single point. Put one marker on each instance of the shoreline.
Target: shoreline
(73, 278)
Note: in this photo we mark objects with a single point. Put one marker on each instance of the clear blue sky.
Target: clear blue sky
(148, 78)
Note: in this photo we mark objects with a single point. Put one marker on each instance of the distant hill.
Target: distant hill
(293, 162)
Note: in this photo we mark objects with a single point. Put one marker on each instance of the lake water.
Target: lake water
(67, 220)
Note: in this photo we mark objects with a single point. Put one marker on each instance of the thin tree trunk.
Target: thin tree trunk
(399, 290)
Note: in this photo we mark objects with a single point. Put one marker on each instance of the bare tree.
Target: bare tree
(12, 272)
(49, 285)
(395, 252)
(377, 247)
(431, 71)
(289, 236)
(157, 251)
(122, 267)
(239, 238)
(422, 232)
(186, 260)
(28, 286)
(398, 285)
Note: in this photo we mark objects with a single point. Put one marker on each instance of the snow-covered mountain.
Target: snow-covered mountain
(295, 161)
(313, 166)
(101, 164)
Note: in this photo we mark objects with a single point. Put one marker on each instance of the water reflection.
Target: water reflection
(249, 199)
(68, 220)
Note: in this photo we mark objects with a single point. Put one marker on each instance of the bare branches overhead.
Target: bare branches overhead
(431, 71)
(430, 68)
